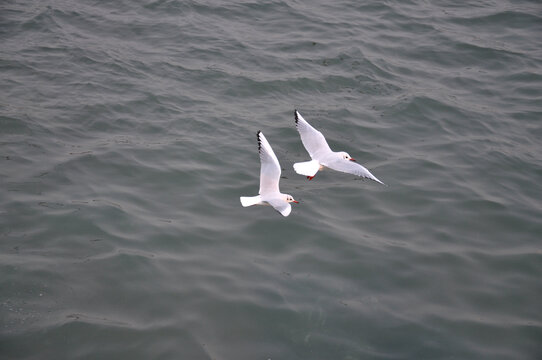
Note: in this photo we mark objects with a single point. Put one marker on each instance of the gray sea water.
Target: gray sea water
(128, 133)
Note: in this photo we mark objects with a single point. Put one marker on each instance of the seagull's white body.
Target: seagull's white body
(269, 181)
(322, 156)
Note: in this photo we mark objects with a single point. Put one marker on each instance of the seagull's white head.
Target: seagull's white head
(290, 198)
(345, 156)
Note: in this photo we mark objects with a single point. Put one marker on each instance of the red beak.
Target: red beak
(297, 202)
(352, 159)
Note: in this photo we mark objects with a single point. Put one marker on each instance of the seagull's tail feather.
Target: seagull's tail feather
(250, 200)
(307, 168)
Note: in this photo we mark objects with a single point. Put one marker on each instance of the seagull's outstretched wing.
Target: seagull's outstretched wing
(270, 167)
(281, 206)
(312, 139)
(351, 167)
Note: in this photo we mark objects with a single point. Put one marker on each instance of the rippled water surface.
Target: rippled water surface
(127, 135)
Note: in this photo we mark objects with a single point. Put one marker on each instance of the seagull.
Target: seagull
(322, 156)
(269, 181)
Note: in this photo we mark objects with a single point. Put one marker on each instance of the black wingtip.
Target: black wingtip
(295, 114)
(259, 141)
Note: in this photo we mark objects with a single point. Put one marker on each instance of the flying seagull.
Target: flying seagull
(322, 156)
(269, 181)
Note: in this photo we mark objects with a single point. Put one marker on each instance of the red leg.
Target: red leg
(310, 177)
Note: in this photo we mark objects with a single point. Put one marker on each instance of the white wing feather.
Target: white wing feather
(281, 206)
(351, 167)
(270, 167)
(312, 139)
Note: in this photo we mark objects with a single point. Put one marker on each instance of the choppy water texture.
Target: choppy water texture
(128, 133)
